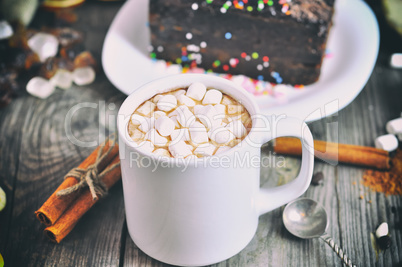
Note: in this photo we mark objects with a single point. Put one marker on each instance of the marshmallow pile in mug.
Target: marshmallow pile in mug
(189, 122)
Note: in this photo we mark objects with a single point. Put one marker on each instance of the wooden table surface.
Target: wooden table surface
(35, 154)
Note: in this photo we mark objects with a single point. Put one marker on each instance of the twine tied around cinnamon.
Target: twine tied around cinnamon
(90, 176)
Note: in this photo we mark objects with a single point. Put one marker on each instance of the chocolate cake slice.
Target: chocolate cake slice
(278, 41)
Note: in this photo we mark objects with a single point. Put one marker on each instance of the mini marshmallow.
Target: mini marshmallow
(381, 230)
(40, 87)
(208, 116)
(235, 109)
(198, 133)
(184, 116)
(157, 114)
(222, 149)
(396, 60)
(198, 109)
(179, 92)
(222, 136)
(156, 138)
(212, 96)
(196, 91)
(147, 124)
(226, 100)
(167, 103)
(136, 135)
(237, 128)
(164, 126)
(220, 109)
(387, 142)
(185, 100)
(146, 108)
(180, 134)
(161, 152)
(176, 123)
(205, 150)
(146, 146)
(198, 136)
(136, 119)
(394, 126)
(180, 149)
(156, 98)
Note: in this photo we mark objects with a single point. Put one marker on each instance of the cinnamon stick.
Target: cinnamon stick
(54, 207)
(81, 205)
(351, 154)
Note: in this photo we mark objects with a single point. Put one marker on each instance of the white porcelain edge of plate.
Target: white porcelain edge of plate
(125, 46)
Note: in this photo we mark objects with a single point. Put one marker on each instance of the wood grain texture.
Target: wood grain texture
(36, 152)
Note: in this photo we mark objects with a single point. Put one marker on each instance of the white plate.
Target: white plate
(353, 42)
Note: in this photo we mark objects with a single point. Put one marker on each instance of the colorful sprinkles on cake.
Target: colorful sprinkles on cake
(261, 4)
(191, 54)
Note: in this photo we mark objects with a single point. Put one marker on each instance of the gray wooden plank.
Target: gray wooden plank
(46, 155)
(11, 117)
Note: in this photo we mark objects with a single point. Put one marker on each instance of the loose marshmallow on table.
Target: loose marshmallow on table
(381, 230)
(40, 87)
(205, 150)
(146, 108)
(44, 45)
(62, 79)
(196, 91)
(237, 128)
(164, 125)
(83, 75)
(394, 126)
(180, 149)
(387, 142)
(185, 100)
(167, 103)
(396, 60)
(212, 96)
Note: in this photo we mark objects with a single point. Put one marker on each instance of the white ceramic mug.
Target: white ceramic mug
(202, 212)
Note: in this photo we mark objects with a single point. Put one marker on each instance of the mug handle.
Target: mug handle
(272, 198)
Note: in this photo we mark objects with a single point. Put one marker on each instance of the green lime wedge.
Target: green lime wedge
(1, 257)
(2, 203)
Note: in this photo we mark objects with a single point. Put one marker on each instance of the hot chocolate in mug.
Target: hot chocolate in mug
(203, 211)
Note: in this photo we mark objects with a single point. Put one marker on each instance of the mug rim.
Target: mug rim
(180, 81)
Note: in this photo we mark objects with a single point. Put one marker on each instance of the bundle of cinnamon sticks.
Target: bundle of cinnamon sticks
(333, 152)
(61, 213)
